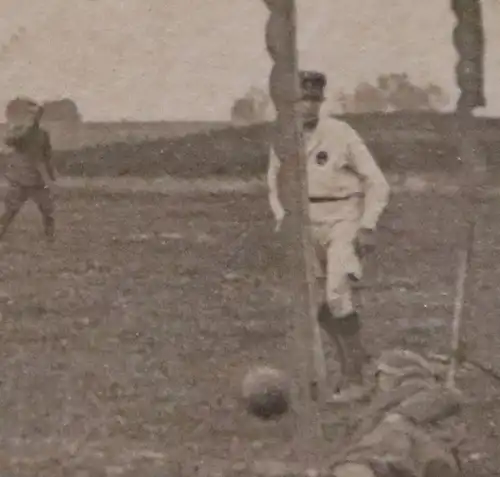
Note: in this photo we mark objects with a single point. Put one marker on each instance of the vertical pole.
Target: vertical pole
(468, 39)
(297, 273)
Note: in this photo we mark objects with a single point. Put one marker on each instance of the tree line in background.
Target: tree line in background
(61, 110)
(252, 108)
(390, 92)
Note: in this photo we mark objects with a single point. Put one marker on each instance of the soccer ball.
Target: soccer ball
(266, 392)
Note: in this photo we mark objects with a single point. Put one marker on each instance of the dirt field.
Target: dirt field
(123, 344)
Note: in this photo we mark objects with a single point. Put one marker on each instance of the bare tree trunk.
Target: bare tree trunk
(297, 274)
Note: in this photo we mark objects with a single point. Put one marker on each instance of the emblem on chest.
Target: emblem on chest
(321, 158)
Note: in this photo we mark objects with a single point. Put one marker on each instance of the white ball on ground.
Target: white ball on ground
(266, 392)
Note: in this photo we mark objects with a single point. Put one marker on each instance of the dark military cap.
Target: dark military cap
(312, 85)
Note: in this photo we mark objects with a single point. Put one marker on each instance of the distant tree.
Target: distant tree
(252, 108)
(261, 102)
(343, 101)
(62, 110)
(438, 99)
(242, 111)
(368, 98)
(393, 92)
(401, 94)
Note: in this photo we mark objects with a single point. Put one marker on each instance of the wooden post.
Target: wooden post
(297, 274)
(468, 38)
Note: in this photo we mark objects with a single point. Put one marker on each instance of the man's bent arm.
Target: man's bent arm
(272, 184)
(376, 187)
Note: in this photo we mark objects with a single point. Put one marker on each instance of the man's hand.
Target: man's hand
(278, 211)
(365, 241)
(279, 220)
(49, 179)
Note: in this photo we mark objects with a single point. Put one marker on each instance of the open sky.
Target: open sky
(189, 59)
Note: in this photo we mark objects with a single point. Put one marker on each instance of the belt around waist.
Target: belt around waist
(318, 200)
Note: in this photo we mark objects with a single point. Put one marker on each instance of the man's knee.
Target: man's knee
(339, 290)
(340, 304)
(10, 211)
(45, 204)
(13, 201)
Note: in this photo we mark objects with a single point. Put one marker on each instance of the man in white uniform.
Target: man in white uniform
(348, 193)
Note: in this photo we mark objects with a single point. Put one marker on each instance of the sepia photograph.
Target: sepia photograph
(249, 238)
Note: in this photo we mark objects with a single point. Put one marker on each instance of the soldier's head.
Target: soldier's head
(23, 112)
(312, 90)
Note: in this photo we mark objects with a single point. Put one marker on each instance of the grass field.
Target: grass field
(101, 134)
(123, 344)
(242, 152)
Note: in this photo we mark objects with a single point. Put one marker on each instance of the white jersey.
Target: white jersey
(339, 166)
